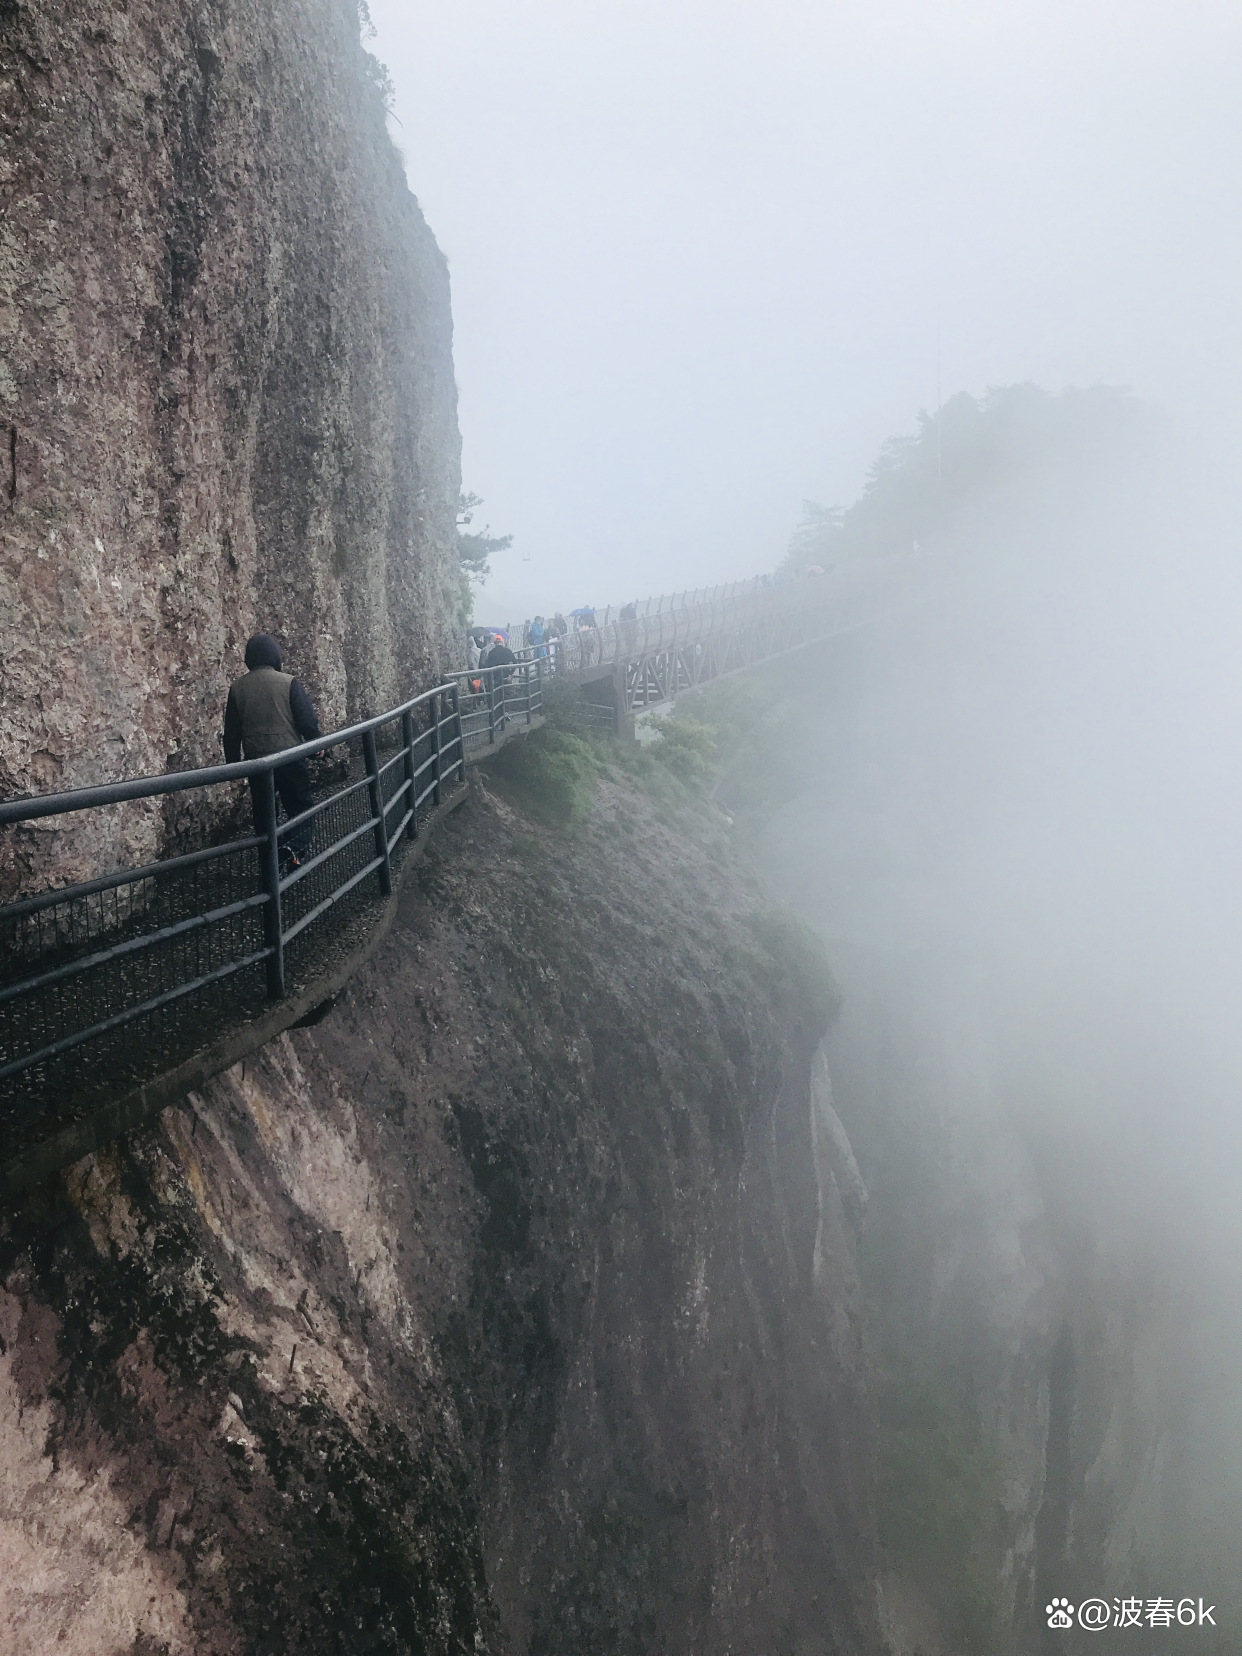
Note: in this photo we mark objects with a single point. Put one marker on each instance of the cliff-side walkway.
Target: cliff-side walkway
(121, 991)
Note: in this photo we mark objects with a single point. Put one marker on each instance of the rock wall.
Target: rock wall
(226, 391)
(1051, 1370)
(511, 1308)
(1054, 1297)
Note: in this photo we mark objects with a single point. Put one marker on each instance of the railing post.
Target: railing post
(526, 682)
(376, 793)
(489, 677)
(269, 858)
(435, 769)
(461, 730)
(407, 738)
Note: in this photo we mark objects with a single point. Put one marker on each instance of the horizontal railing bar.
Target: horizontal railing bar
(149, 787)
(303, 869)
(109, 882)
(389, 804)
(118, 951)
(333, 897)
(319, 807)
(18, 1065)
(396, 794)
(400, 829)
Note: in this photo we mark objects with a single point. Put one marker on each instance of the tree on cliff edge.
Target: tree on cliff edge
(476, 548)
(920, 481)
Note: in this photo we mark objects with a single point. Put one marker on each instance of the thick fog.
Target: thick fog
(706, 257)
(1017, 826)
(705, 260)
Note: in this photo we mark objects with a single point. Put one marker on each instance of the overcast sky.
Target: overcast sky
(707, 256)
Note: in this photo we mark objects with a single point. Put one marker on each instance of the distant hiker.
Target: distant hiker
(482, 641)
(269, 711)
(500, 655)
(473, 652)
(588, 635)
(560, 627)
(535, 635)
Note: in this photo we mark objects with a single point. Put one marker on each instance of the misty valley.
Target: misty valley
(699, 1123)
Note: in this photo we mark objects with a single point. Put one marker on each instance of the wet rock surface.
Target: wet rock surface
(509, 1308)
(226, 395)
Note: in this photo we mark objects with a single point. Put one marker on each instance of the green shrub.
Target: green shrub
(801, 963)
(687, 747)
(549, 773)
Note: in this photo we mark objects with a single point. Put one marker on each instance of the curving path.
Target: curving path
(120, 992)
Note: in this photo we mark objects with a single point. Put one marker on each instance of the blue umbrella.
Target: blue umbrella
(587, 609)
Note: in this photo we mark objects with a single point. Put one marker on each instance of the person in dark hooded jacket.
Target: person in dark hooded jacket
(268, 711)
(500, 655)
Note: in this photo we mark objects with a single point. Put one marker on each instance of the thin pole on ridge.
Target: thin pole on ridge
(269, 865)
(461, 730)
(411, 781)
(435, 769)
(375, 792)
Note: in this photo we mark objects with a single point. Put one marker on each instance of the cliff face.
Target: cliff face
(1053, 1292)
(226, 389)
(512, 1307)
(1051, 1367)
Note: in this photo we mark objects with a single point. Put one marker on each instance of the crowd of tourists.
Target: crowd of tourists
(269, 710)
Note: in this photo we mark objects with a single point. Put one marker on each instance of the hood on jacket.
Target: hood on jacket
(263, 651)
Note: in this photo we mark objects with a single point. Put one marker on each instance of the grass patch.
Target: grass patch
(802, 975)
(550, 773)
(687, 748)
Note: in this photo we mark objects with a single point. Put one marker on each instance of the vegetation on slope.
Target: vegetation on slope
(553, 772)
(923, 480)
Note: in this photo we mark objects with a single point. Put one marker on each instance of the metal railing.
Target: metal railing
(114, 979)
(783, 613)
(104, 979)
(492, 699)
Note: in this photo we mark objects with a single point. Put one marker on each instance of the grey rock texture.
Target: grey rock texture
(500, 1311)
(1056, 1330)
(1064, 1338)
(834, 1155)
(226, 392)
